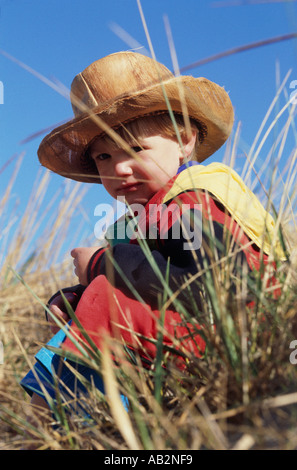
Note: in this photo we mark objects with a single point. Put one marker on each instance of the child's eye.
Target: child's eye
(102, 156)
(137, 149)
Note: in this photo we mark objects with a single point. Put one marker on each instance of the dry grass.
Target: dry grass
(210, 408)
(241, 395)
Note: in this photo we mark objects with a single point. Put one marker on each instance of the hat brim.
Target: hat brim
(63, 151)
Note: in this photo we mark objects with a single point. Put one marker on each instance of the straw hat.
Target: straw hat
(120, 88)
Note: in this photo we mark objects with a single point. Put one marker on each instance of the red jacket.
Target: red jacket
(137, 276)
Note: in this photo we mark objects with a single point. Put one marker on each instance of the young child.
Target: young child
(141, 132)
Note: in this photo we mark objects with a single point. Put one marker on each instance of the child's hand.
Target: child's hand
(58, 308)
(82, 257)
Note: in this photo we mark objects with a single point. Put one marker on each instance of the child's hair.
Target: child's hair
(159, 124)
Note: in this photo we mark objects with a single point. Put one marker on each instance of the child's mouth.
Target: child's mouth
(127, 188)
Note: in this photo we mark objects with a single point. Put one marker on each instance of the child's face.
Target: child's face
(137, 179)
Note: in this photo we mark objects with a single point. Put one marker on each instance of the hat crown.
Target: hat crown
(125, 86)
(114, 76)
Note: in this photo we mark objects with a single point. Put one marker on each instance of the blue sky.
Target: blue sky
(59, 38)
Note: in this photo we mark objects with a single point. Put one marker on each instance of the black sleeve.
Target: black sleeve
(77, 290)
(168, 260)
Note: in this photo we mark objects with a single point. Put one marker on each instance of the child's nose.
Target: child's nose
(123, 167)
